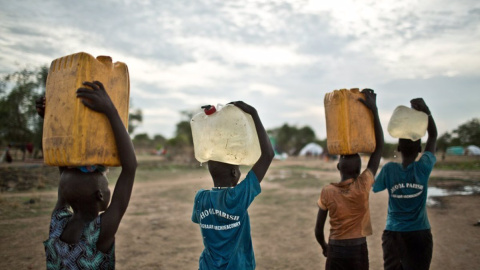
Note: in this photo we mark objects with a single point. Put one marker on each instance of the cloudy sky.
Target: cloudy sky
(281, 56)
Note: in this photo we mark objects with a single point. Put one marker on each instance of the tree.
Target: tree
(291, 139)
(183, 134)
(159, 141)
(142, 140)
(444, 141)
(469, 133)
(141, 137)
(135, 118)
(18, 92)
(389, 150)
(180, 148)
(464, 135)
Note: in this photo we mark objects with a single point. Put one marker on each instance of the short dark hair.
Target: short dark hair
(350, 164)
(220, 169)
(409, 147)
(77, 187)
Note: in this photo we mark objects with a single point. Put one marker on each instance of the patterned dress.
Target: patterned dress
(82, 255)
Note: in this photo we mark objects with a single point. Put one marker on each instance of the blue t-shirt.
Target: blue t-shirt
(225, 225)
(407, 193)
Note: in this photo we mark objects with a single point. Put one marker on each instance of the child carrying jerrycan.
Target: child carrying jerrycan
(347, 202)
(225, 139)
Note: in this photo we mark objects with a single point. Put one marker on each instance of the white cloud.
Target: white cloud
(264, 89)
(411, 39)
(198, 73)
(314, 110)
(241, 53)
(280, 55)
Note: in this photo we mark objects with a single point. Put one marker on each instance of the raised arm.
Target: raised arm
(261, 166)
(371, 102)
(98, 100)
(419, 105)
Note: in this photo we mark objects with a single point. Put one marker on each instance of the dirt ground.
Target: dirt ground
(156, 232)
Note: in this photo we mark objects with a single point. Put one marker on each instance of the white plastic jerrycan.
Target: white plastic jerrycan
(408, 123)
(226, 135)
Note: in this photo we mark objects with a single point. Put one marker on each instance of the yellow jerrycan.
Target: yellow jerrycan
(350, 127)
(226, 135)
(74, 135)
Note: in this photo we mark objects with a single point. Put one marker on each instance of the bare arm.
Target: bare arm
(261, 166)
(419, 105)
(371, 103)
(98, 100)
(319, 235)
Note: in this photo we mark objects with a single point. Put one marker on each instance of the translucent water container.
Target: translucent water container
(226, 134)
(74, 135)
(350, 127)
(408, 123)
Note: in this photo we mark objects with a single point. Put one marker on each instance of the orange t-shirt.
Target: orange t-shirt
(348, 207)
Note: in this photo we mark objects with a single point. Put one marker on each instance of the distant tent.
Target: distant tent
(455, 150)
(312, 149)
(472, 150)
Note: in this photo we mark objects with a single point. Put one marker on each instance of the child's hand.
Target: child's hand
(244, 107)
(40, 106)
(370, 99)
(96, 99)
(325, 251)
(419, 105)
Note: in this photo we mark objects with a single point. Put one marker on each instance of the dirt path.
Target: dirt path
(156, 232)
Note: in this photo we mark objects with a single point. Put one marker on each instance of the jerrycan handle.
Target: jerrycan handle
(106, 60)
(209, 109)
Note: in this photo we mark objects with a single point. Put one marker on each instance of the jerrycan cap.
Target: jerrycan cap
(209, 109)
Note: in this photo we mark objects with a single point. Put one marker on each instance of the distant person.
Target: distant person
(222, 211)
(407, 241)
(23, 149)
(29, 147)
(347, 205)
(40, 107)
(7, 156)
(84, 239)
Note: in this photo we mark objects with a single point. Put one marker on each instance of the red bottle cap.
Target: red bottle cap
(209, 109)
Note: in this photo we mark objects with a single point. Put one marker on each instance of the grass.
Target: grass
(458, 165)
(458, 181)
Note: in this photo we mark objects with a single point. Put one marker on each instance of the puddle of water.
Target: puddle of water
(440, 192)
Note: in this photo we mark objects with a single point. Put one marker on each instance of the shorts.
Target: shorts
(407, 250)
(347, 257)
